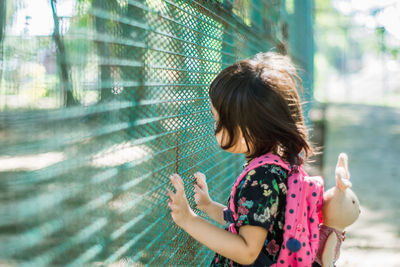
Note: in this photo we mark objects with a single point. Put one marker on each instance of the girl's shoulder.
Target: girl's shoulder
(268, 175)
(273, 168)
(270, 171)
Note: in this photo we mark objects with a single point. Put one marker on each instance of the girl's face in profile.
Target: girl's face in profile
(238, 147)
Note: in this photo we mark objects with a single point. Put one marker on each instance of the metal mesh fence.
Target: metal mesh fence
(99, 104)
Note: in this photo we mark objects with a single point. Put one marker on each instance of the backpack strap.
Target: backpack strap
(268, 158)
(303, 205)
(296, 186)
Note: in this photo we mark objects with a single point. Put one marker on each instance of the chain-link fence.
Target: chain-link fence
(100, 101)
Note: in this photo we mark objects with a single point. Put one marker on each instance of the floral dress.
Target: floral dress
(260, 201)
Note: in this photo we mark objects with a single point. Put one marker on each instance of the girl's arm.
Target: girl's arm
(243, 248)
(215, 211)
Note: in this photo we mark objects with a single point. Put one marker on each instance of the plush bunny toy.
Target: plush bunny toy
(340, 209)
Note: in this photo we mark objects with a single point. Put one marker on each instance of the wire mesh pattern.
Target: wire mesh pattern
(96, 114)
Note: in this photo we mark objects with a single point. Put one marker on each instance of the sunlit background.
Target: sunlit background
(357, 51)
(357, 77)
(356, 56)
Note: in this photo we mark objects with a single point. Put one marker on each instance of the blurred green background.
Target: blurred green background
(101, 100)
(357, 51)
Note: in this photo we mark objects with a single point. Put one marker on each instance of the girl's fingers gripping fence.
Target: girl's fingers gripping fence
(170, 195)
(177, 182)
(197, 190)
(200, 179)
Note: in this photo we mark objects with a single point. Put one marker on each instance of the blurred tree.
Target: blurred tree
(61, 53)
(104, 51)
(3, 10)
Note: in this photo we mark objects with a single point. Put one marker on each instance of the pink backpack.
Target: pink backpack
(302, 214)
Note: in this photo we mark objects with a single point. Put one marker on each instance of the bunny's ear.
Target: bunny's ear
(342, 182)
(343, 162)
(342, 173)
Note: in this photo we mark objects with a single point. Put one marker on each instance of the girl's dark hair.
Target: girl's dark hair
(259, 97)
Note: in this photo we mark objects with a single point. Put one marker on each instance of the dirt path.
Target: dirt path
(371, 137)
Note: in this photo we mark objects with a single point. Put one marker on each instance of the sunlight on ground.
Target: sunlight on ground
(30, 162)
(119, 154)
(373, 232)
(120, 263)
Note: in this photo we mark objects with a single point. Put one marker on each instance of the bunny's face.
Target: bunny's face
(352, 206)
(341, 208)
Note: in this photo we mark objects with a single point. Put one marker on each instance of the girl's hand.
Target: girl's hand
(201, 196)
(181, 212)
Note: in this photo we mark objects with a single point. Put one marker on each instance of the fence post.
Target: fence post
(301, 44)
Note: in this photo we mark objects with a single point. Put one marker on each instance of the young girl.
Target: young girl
(257, 111)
